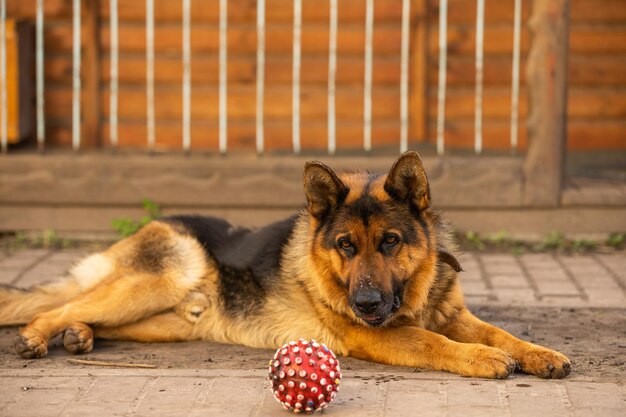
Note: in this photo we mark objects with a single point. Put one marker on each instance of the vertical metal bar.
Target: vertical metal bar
(41, 127)
(260, 74)
(332, 69)
(186, 76)
(223, 140)
(478, 97)
(4, 139)
(295, 100)
(367, 78)
(150, 123)
(441, 89)
(404, 76)
(113, 82)
(76, 76)
(515, 75)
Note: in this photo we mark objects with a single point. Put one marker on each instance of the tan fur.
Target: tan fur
(159, 285)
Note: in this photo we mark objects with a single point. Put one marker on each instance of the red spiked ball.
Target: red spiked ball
(305, 376)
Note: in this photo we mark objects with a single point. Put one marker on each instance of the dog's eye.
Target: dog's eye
(345, 245)
(390, 240)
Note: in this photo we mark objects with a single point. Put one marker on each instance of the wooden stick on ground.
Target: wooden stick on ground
(102, 363)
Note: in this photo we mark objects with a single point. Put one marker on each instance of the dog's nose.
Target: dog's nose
(367, 300)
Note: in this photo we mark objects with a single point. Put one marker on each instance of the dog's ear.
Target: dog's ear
(448, 258)
(323, 189)
(407, 181)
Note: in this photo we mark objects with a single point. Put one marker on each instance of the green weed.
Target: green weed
(616, 240)
(127, 226)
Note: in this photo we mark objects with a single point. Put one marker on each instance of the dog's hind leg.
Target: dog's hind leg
(164, 327)
(118, 302)
(78, 338)
(154, 270)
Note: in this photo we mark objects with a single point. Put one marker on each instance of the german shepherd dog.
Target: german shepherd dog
(368, 268)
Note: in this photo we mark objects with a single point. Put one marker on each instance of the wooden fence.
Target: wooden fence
(279, 77)
(368, 92)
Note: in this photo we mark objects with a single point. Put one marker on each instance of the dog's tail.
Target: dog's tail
(19, 305)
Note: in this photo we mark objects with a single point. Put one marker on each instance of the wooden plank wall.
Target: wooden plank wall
(597, 73)
(597, 103)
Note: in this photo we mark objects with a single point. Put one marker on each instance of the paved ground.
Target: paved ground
(576, 304)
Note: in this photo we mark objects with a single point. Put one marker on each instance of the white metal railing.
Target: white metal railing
(478, 104)
(404, 76)
(41, 122)
(150, 117)
(517, 25)
(295, 108)
(113, 82)
(332, 69)
(76, 85)
(4, 139)
(186, 75)
(441, 89)
(260, 76)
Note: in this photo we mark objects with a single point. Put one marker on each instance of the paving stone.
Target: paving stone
(368, 399)
(429, 397)
(467, 257)
(585, 270)
(556, 287)
(107, 395)
(46, 396)
(7, 276)
(461, 411)
(598, 412)
(516, 296)
(18, 263)
(595, 395)
(169, 396)
(477, 299)
(471, 275)
(508, 269)
(67, 256)
(606, 297)
(549, 274)
(616, 264)
(537, 258)
(564, 301)
(509, 281)
(117, 392)
(41, 273)
(233, 397)
(498, 258)
(11, 390)
(535, 399)
(599, 281)
(475, 288)
(481, 394)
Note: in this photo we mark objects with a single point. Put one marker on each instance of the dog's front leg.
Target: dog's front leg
(532, 359)
(416, 347)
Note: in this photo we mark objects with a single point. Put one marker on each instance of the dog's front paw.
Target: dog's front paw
(30, 345)
(544, 363)
(192, 307)
(485, 362)
(78, 338)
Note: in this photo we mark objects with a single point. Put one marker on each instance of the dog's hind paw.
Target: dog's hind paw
(192, 307)
(30, 347)
(78, 338)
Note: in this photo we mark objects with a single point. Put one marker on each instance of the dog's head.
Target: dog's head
(373, 234)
